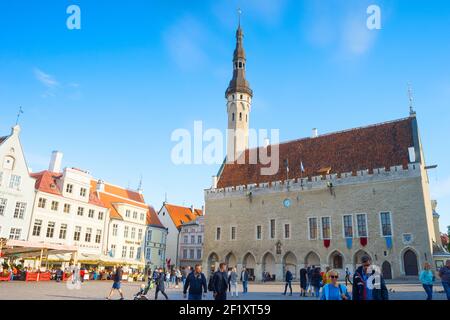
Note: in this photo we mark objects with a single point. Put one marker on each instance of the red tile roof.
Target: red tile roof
(47, 181)
(376, 146)
(114, 195)
(181, 215)
(152, 218)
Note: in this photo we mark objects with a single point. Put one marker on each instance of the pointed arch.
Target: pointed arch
(268, 263)
(358, 255)
(213, 261)
(312, 259)
(290, 262)
(336, 260)
(231, 260)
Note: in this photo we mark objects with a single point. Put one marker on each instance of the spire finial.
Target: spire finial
(239, 11)
(411, 100)
(18, 115)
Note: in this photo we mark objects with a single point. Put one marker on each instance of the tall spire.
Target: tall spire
(239, 83)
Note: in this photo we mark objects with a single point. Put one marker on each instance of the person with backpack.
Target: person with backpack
(289, 277)
(196, 283)
(334, 290)
(364, 286)
(426, 277)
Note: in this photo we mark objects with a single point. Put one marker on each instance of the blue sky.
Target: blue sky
(110, 95)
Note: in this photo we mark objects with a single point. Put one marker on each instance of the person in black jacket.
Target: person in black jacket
(220, 283)
(303, 281)
(289, 278)
(195, 282)
(316, 281)
(366, 285)
(160, 284)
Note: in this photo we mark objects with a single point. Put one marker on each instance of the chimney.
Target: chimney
(315, 133)
(100, 186)
(266, 143)
(214, 182)
(55, 162)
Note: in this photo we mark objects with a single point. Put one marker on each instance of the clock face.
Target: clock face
(287, 203)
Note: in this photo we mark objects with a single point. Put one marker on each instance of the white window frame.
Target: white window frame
(3, 204)
(343, 226)
(309, 228)
(381, 225)
(357, 225)
(321, 228)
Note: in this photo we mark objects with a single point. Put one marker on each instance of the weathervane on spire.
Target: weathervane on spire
(239, 11)
(18, 115)
(411, 100)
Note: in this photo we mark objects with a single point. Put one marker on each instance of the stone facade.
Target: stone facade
(397, 191)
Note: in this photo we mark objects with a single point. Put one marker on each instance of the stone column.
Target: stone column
(258, 272)
(279, 272)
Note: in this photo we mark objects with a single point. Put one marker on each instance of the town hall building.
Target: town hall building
(334, 198)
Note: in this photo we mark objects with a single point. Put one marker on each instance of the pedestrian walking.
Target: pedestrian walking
(444, 274)
(310, 271)
(220, 283)
(289, 277)
(117, 278)
(303, 281)
(362, 289)
(160, 284)
(244, 280)
(233, 280)
(427, 277)
(334, 290)
(316, 281)
(347, 277)
(196, 284)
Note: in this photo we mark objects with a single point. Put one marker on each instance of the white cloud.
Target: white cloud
(46, 79)
(356, 38)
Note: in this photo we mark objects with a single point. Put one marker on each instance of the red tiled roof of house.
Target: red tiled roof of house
(152, 218)
(181, 215)
(47, 181)
(114, 195)
(376, 146)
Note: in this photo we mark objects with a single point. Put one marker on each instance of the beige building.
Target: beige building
(334, 198)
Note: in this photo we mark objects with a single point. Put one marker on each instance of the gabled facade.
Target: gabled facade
(191, 240)
(155, 241)
(127, 225)
(16, 188)
(173, 217)
(67, 211)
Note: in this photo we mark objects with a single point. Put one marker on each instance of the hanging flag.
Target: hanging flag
(302, 168)
(286, 164)
(388, 242)
(349, 242)
(363, 241)
(327, 243)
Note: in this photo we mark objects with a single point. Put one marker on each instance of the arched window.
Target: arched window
(240, 65)
(240, 116)
(232, 117)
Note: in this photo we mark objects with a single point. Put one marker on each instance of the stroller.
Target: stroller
(142, 294)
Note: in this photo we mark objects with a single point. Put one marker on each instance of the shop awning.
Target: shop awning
(28, 249)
